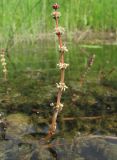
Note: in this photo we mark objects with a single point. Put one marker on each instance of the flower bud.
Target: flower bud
(55, 6)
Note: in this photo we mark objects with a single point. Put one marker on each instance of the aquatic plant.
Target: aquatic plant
(59, 31)
(90, 62)
(4, 64)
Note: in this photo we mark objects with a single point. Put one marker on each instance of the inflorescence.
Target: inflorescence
(4, 64)
(59, 31)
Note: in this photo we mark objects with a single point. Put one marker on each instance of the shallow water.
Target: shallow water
(25, 101)
(44, 56)
(22, 140)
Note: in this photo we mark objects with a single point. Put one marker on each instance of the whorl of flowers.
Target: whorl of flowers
(56, 14)
(61, 86)
(59, 107)
(62, 65)
(3, 62)
(59, 31)
(63, 49)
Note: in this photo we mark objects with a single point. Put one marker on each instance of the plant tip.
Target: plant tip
(55, 6)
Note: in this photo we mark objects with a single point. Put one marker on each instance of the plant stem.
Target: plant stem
(57, 108)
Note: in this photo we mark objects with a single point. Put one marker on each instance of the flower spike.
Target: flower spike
(4, 64)
(59, 31)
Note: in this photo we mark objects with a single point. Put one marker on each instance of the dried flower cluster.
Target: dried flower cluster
(59, 31)
(3, 62)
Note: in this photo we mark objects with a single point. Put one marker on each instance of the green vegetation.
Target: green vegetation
(27, 16)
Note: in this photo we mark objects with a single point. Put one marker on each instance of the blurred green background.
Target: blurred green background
(27, 16)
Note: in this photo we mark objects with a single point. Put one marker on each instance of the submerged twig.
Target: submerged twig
(104, 75)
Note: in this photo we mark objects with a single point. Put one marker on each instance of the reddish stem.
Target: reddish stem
(60, 41)
(62, 75)
(56, 22)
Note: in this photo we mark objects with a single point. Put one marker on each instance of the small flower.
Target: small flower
(56, 14)
(51, 104)
(59, 107)
(62, 65)
(59, 31)
(55, 6)
(63, 49)
(61, 86)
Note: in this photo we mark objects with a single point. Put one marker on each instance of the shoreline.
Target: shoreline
(79, 36)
